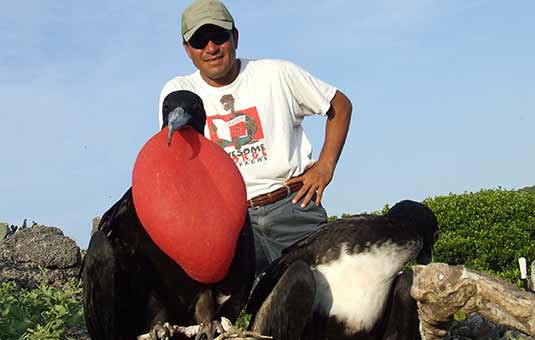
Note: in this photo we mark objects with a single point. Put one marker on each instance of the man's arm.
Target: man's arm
(316, 179)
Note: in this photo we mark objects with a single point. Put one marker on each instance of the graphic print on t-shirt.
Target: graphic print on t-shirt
(239, 133)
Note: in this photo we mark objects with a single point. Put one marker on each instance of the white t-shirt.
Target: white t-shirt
(257, 118)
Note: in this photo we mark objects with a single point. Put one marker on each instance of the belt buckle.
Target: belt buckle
(251, 203)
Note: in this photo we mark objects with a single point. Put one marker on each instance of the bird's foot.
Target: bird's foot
(206, 330)
(223, 326)
(161, 332)
(158, 332)
(166, 331)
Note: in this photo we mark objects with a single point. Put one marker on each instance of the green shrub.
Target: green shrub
(41, 313)
(488, 230)
(243, 320)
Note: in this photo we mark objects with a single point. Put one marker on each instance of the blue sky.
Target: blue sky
(443, 95)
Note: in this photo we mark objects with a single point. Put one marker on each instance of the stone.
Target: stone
(532, 277)
(77, 332)
(41, 246)
(476, 327)
(4, 227)
(39, 254)
(94, 223)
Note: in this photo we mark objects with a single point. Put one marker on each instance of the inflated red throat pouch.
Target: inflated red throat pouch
(191, 199)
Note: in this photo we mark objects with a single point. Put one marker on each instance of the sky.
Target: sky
(443, 95)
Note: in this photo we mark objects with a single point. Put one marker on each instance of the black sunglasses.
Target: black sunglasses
(200, 40)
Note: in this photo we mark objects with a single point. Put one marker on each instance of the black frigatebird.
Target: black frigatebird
(131, 286)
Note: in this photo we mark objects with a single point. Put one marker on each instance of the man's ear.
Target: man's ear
(235, 35)
(187, 48)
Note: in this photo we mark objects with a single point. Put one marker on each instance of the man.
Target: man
(254, 111)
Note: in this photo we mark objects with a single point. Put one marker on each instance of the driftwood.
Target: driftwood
(441, 290)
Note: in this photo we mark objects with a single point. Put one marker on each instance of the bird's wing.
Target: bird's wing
(121, 207)
(292, 297)
(353, 231)
(266, 282)
(239, 280)
(113, 301)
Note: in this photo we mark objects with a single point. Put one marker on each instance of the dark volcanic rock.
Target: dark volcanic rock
(39, 254)
(78, 333)
(41, 246)
(477, 327)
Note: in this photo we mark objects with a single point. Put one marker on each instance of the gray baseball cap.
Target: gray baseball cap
(203, 12)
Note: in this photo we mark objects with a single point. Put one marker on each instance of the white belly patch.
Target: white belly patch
(353, 289)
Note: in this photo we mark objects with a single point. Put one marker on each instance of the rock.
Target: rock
(4, 227)
(39, 254)
(512, 334)
(95, 222)
(77, 332)
(30, 277)
(477, 327)
(41, 246)
(532, 277)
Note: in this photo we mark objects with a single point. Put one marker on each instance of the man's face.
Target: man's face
(213, 51)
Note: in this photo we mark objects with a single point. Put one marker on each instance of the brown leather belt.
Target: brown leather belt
(274, 196)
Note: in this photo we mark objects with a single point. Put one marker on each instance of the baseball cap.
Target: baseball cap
(203, 12)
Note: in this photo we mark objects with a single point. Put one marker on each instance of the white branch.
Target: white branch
(441, 290)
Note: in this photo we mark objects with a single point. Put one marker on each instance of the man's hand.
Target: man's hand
(314, 180)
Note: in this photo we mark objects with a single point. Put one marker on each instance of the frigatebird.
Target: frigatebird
(344, 281)
(131, 286)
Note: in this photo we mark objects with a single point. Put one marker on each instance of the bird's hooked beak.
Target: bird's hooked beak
(177, 119)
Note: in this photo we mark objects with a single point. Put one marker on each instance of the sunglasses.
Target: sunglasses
(199, 41)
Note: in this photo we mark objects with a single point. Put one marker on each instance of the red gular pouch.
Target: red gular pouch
(191, 199)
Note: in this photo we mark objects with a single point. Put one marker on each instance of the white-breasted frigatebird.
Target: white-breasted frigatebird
(344, 281)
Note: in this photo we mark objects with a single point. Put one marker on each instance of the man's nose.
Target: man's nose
(211, 47)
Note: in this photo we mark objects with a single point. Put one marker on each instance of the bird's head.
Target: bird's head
(424, 221)
(182, 108)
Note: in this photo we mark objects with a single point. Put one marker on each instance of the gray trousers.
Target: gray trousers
(278, 225)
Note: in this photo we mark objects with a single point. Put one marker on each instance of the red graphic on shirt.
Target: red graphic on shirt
(236, 128)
